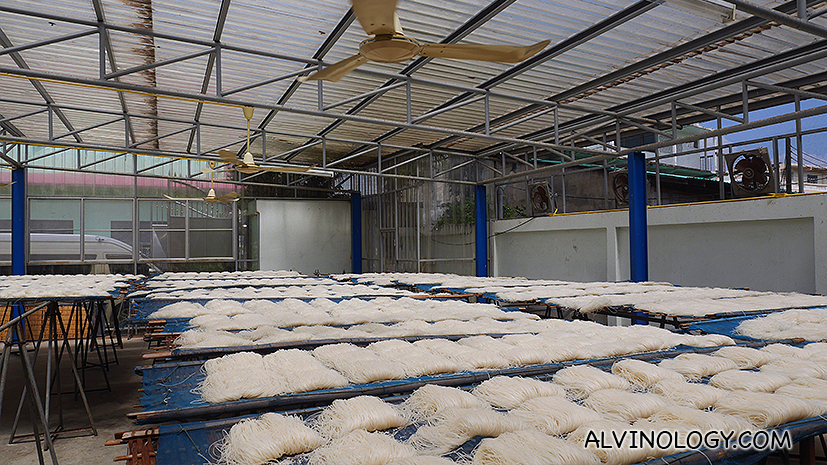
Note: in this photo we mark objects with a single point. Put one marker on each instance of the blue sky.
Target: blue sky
(815, 144)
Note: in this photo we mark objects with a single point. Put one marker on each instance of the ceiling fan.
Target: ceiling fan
(390, 45)
(211, 197)
(247, 165)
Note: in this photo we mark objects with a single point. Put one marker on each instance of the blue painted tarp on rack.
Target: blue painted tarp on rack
(192, 443)
(169, 396)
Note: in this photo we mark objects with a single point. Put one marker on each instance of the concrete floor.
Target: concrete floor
(109, 411)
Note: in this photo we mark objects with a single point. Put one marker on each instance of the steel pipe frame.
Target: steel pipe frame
(692, 138)
(21, 63)
(480, 18)
(578, 39)
(113, 65)
(765, 66)
(118, 86)
(181, 121)
(641, 104)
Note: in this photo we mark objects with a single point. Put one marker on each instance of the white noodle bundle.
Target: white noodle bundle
(453, 427)
(362, 412)
(431, 400)
(361, 448)
(553, 415)
(707, 340)
(624, 405)
(817, 350)
(642, 374)
(465, 357)
(211, 321)
(195, 338)
(605, 431)
(178, 310)
(811, 389)
(423, 460)
(225, 307)
(698, 419)
(809, 324)
(695, 395)
(517, 356)
(745, 357)
(531, 448)
(762, 409)
(507, 393)
(267, 438)
(302, 372)
(784, 350)
(795, 368)
(359, 365)
(582, 380)
(222, 384)
(697, 366)
(416, 361)
(732, 380)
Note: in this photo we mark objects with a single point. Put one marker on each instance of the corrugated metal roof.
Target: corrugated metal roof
(299, 28)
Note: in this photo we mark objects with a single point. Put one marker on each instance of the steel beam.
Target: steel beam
(780, 18)
(205, 83)
(21, 63)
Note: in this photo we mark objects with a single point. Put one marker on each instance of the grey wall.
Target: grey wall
(305, 235)
(777, 244)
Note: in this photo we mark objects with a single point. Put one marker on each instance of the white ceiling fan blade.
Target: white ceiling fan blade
(177, 199)
(377, 17)
(498, 53)
(336, 71)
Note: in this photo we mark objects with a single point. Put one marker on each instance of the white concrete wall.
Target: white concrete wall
(777, 244)
(305, 235)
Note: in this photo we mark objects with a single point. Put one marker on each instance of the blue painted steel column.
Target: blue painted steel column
(481, 230)
(638, 242)
(18, 221)
(356, 231)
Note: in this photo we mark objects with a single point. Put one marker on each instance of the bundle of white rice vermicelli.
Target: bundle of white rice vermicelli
(302, 372)
(431, 400)
(784, 350)
(517, 356)
(642, 374)
(507, 392)
(453, 427)
(416, 361)
(222, 384)
(531, 447)
(362, 412)
(258, 441)
(361, 448)
(359, 365)
(762, 409)
(697, 366)
(553, 415)
(681, 392)
(618, 404)
(745, 358)
(582, 380)
(702, 420)
(795, 368)
(810, 389)
(732, 380)
(465, 357)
